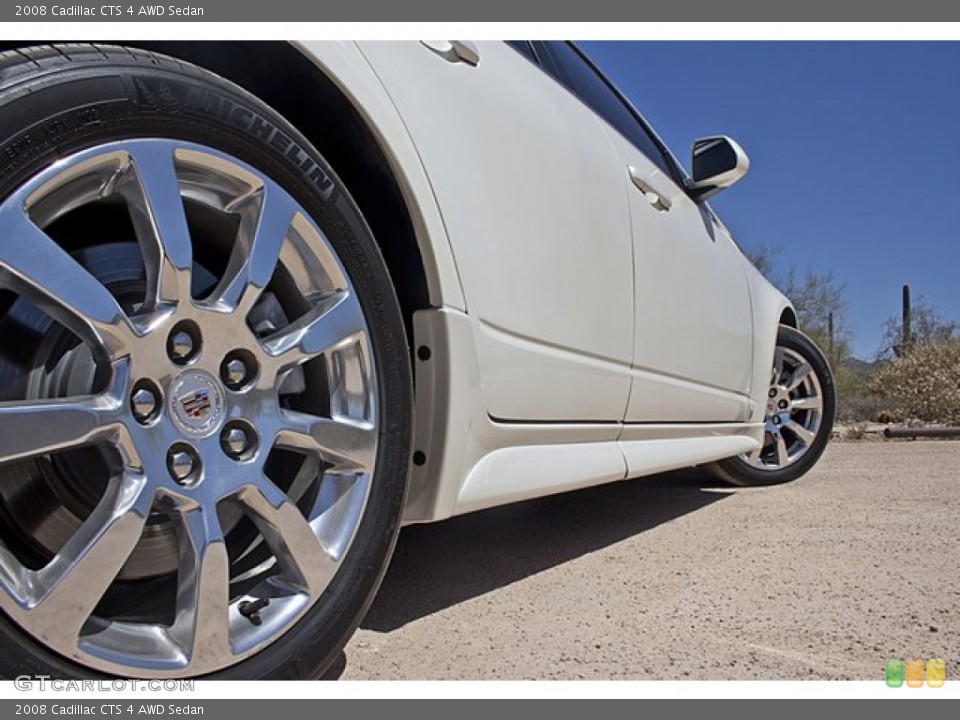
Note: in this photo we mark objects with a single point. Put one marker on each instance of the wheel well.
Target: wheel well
(789, 317)
(279, 75)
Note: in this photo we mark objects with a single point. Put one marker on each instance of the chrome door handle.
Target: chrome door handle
(642, 183)
(455, 50)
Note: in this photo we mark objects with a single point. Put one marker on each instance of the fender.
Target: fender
(348, 69)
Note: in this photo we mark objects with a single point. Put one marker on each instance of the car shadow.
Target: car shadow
(336, 668)
(439, 565)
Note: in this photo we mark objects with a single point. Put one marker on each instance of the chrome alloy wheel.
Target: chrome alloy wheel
(793, 414)
(188, 420)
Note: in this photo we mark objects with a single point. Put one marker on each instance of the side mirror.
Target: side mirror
(717, 163)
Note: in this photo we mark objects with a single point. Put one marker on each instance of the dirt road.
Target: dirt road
(679, 577)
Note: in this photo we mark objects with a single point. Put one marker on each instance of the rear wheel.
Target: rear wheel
(800, 407)
(204, 382)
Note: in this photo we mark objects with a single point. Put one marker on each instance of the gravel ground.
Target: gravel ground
(677, 577)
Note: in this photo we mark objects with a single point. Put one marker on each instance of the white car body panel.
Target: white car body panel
(343, 63)
(693, 347)
(531, 322)
(519, 473)
(768, 305)
(467, 468)
(534, 205)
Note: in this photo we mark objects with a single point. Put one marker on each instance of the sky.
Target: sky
(854, 155)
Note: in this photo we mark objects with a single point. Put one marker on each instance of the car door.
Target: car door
(532, 196)
(693, 342)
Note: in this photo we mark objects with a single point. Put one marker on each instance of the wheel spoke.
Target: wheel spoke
(32, 264)
(805, 436)
(347, 445)
(778, 355)
(812, 402)
(305, 561)
(203, 593)
(156, 209)
(37, 427)
(783, 458)
(331, 322)
(266, 216)
(28, 429)
(72, 584)
(798, 376)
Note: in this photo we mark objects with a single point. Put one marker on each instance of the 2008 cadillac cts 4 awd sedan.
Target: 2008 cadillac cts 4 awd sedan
(261, 304)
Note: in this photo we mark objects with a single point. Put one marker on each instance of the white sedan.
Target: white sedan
(262, 304)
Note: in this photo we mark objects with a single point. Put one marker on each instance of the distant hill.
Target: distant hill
(861, 366)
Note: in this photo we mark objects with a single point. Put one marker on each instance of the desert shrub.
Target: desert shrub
(856, 402)
(861, 406)
(857, 431)
(924, 383)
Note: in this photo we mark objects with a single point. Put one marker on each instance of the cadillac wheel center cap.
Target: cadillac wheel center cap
(196, 403)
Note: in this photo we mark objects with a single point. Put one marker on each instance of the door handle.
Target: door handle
(455, 50)
(644, 183)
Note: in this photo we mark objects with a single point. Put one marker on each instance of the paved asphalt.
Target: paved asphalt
(679, 577)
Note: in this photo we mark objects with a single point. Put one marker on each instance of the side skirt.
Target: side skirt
(465, 461)
(522, 473)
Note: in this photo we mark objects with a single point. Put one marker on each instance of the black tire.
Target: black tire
(57, 100)
(737, 471)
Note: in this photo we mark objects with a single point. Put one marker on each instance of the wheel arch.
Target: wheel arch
(330, 93)
(789, 317)
(292, 81)
(771, 309)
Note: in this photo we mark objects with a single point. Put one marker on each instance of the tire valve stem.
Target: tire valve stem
(251, 610)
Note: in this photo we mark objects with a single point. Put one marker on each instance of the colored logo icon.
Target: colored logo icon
(914, 673)
(894, 673)
(936, 673)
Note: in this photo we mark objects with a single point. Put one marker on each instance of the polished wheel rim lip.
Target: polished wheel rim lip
(212, 628)
(794, 413)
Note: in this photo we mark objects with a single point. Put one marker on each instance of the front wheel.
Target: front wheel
(205, 390)
(800, 406)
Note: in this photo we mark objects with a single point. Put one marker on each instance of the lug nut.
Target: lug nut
(773, 392)
(237, 441)
(181, 465)
(181, 345)
(239, 369)
(143, 402)
(776, 419)
(234, 372)
(783, 404)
